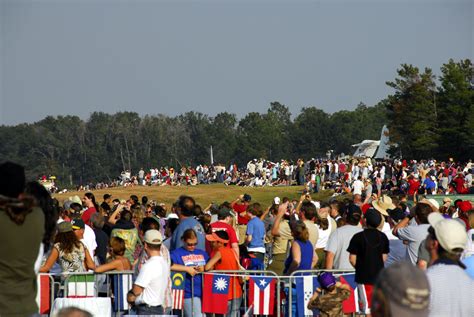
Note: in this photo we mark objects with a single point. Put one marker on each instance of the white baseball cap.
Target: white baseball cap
(153, 237)
(451, 234)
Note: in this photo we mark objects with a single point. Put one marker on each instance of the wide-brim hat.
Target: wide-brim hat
(382, 204)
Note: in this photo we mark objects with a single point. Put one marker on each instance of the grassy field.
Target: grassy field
(203, 194)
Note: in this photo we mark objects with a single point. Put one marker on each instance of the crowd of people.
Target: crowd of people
(411, 255)
(341, 175)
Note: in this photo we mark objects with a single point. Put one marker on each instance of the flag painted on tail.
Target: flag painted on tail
(81, 286)
(177, 289)
(215, 294)
(262, 294)
(43, 295)
(305, 287)
(122, 283)
(350, 305)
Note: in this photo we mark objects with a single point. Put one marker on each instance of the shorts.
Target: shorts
(364, 293)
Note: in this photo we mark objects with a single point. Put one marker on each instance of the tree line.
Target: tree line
(425, 120)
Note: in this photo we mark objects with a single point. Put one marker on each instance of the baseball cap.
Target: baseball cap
(276, 200)
(373, 218)
(107, 196)
(247, 197)
(396, 214)
(407, 289)
(77, 224)
(172, 216)
(153, 237)
(64, 226)
(450, 233)
(465, 206)
(326, 280)
(225, 212)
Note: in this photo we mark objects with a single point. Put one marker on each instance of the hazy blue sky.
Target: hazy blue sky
(76, 57)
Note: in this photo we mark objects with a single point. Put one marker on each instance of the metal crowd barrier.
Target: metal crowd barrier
(302, 274)
(113, 284)
(118, 283)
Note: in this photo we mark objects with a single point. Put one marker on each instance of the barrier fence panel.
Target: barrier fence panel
(61, 290)
(305, 282)
(261, 290)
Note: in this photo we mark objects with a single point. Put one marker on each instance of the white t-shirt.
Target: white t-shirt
(153, 277)
(324, 235)
(89, 240)
(357, 187)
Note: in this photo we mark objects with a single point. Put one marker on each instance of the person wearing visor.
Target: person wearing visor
(225, 258)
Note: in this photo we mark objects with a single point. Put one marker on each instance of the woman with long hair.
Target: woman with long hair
(50, 209)
(117, 260)
(302, 255)
(71, 253)
(89, 202)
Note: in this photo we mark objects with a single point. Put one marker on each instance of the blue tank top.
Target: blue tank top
(306, 256)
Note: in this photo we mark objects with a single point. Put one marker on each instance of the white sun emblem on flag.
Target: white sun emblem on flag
(220, 284)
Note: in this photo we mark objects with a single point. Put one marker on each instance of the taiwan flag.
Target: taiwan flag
(350, 305)
(215, 294)
(262, 294)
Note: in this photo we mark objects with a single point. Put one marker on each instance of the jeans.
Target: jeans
(292, 305)
(233, 307)
(149, 310)
(194, 309)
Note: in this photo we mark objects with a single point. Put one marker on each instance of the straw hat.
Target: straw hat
(382, 204)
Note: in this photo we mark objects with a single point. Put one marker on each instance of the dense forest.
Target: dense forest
(427, 117)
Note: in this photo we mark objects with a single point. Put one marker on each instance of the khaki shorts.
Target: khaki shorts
(242, 230)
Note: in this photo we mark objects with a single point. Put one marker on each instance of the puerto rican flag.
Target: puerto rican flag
(350, 305)
(305, 288)
(177, 289)
(262, 294)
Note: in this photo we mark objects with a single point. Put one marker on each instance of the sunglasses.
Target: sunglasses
(191, 244)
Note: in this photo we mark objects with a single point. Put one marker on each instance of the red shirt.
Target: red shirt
(342, 168)
(414, 185)
(219, 225)
(86, 216)
(240, 208)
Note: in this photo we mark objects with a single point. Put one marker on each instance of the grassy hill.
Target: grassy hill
(203, 194)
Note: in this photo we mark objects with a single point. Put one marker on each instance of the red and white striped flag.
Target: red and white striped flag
(262, 294)
(177, 289)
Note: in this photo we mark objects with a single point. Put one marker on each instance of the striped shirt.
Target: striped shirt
(452, 291)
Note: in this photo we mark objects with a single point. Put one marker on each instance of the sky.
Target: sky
(74, 57)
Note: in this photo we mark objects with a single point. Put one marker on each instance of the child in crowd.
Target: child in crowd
(329, 303)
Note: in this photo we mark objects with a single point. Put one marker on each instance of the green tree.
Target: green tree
(456, 111)
(311, 133)
(412, 113)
